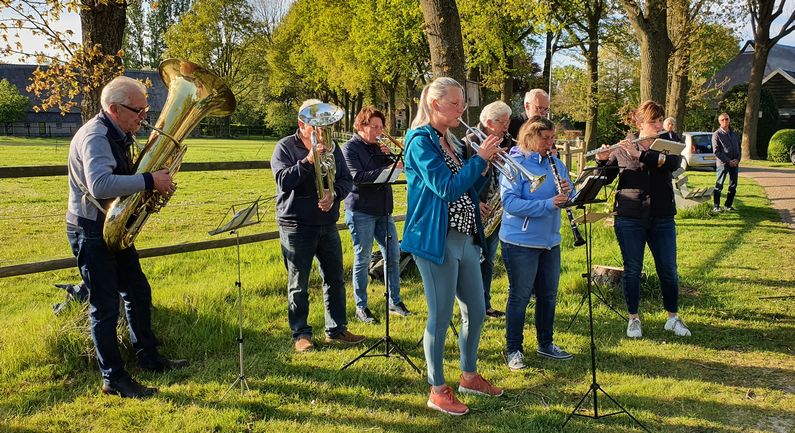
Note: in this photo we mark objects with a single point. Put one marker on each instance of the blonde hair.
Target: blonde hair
(435, 90)
(531, 129)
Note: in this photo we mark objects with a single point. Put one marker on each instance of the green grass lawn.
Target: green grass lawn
(736, 374)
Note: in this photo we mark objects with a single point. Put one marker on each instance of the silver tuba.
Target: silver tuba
(320, 117)
(193, 94)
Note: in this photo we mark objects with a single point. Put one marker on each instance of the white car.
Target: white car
(698, 154)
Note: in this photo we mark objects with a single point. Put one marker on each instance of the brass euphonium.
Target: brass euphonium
(321, 116)
(193, 94)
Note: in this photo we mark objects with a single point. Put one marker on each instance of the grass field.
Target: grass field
(736, 374)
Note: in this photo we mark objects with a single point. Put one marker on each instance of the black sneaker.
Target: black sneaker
(399, 309)
(491, 312)
(364, 315)
(552, 351)
(729, 209)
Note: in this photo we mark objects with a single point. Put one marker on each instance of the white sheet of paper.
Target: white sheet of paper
(382, 178)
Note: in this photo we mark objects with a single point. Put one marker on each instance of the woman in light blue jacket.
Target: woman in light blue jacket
(443, 231)
(530, 241)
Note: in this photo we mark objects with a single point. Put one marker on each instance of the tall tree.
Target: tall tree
(443, 28)
(71, 68)
(135, 40)
(649, 19)
(13, 106)
(763, 13)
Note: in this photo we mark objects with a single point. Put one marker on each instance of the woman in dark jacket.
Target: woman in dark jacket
(645, 210)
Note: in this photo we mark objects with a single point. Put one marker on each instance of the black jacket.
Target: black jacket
(296, 193)
(644, 190)
(365, 162)
(516, 123)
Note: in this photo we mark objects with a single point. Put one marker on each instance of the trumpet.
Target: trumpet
(321, 116)
(507, 166)
(617, 145)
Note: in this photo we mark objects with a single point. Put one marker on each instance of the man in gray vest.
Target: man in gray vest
(101, 169)
(726, 145)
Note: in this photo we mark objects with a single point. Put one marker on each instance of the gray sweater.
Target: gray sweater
(93, 162)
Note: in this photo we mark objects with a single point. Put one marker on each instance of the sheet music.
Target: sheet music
(385, 178)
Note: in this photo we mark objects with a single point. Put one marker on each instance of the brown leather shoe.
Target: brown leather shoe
(304, 344)
(345, 337)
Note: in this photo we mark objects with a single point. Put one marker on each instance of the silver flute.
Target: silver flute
(617, 145)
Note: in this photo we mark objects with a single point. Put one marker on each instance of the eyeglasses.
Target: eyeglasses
(542, 109)
(137, 111)
(458, 105)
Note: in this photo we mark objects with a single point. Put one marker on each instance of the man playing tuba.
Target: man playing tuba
(308, 225)
(100, 169)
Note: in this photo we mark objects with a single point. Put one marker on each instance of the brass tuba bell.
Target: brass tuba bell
(193, 94)
(321, 116)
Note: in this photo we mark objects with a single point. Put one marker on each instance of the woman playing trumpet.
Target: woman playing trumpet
(530, 236)
(645, 210)
(443, 231)
(368, 210)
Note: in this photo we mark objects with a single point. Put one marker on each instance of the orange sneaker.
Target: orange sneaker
(478, 385)
(445, 401)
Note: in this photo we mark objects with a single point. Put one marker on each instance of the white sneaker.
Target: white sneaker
(633, 328)
(677, 326)
(516, 361)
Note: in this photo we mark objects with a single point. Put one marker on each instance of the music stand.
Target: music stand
(385, 180)
(584, 199)
(242, 215)
(586, 194)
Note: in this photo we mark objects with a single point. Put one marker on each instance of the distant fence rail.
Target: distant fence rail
(60, 170)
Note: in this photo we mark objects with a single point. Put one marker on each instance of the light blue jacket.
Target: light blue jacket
(530, 219)
(431, 187)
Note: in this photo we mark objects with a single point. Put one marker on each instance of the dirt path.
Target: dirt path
(779, 185)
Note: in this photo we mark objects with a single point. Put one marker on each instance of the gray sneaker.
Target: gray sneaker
(516, 361)
(552, 351)
(399, 309)
(633, 328)
(364, 315)
(677, 326)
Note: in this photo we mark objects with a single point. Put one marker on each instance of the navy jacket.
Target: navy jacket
(296, 193)
(366, 161)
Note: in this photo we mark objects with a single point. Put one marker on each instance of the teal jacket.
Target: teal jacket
(431, 187)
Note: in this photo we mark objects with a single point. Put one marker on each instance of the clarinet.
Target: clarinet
(578, 240)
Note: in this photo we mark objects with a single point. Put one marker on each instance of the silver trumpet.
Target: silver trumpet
(502, 162)
(599, 150)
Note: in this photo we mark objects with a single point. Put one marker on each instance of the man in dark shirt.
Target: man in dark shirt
(308, 229)
(536, 103)
(726, 145)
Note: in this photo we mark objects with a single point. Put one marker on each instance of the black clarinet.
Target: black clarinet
(578, 240)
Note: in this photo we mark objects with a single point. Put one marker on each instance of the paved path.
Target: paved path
(779, 185)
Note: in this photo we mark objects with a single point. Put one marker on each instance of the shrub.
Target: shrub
(780, 145)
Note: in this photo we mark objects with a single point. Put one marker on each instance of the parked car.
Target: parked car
(792, 154)
(698, 154)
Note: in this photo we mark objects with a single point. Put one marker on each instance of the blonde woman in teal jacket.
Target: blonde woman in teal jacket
(443, 231)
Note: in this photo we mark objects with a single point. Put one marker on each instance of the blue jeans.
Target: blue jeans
(459, 276)
(530, 270)
(364, 227)
(633, 235)
(300, 245)
(720, 177)
(107, 276)
(487, 265)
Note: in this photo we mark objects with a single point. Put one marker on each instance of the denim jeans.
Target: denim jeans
(364, 228)
(633, 235)
(720, 177)
(107, 276)
(530, 270)
(487, 265)
(299, 246)
(459, 276)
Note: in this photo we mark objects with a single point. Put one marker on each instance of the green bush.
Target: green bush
(780, 145)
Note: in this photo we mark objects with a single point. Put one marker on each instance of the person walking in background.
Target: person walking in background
(494, 120)
(530, 237)
(536, 103)
(101, 169)
(368, 211)
(444, 232)
(726, 146)
(308, 229)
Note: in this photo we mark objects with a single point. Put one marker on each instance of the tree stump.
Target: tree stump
(609, 276)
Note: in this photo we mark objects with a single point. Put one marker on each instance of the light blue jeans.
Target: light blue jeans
(459, 277)
(364, 228)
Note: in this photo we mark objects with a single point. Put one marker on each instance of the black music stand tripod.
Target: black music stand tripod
(587, 195)
(390, 347)
(242, 215)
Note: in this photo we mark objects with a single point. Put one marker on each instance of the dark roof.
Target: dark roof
(738, 70)
(19, 75)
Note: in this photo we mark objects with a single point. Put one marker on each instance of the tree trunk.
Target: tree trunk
(391, 119)
(506, 87)
(680, 33)
(548, 52)
(591, 123)
(103, 25)
(443, 28)
(751, 118)
(651, 28)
